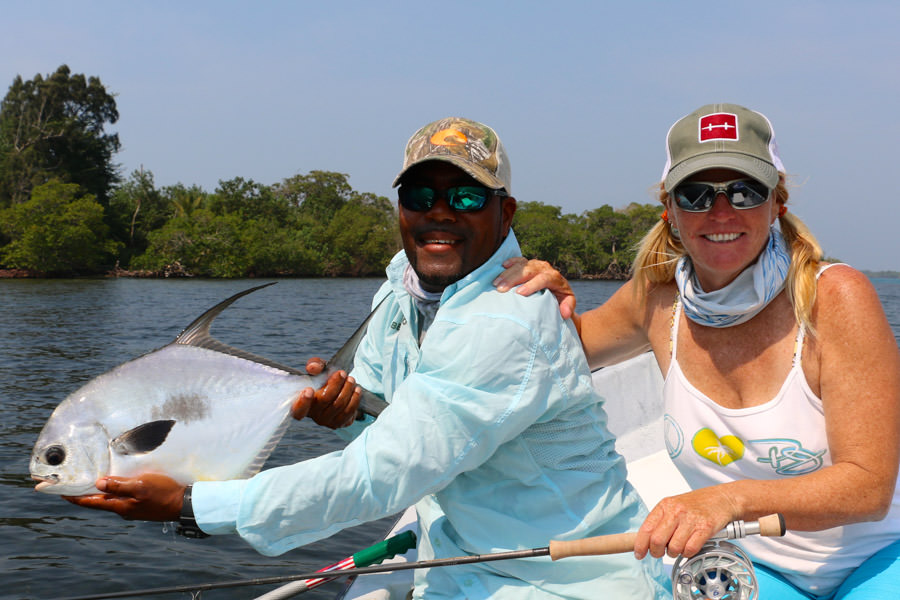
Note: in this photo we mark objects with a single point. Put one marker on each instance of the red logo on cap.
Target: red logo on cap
(718, 126)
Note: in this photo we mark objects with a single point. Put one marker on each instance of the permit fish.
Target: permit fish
(196, 409)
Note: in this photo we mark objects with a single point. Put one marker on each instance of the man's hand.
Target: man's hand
(333, 405)
(148, 497)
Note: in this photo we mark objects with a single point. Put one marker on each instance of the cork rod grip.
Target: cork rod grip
(592, 546)
(772, 525)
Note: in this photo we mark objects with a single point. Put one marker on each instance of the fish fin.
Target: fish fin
(343, 361)
(259, 460)
(197, 334)
(371, 404)
(143, 438)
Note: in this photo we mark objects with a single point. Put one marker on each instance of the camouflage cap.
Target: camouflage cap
(473, 147)
(722, 136)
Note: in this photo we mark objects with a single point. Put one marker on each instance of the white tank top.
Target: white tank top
(782, 438)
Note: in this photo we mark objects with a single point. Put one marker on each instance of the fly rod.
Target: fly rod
(771, 525)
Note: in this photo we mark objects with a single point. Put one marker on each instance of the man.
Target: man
(493, 429)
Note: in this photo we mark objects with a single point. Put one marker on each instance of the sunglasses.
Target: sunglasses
(463, 198)
(698, 196)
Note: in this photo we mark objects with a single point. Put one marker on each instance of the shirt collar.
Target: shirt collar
(490, 269)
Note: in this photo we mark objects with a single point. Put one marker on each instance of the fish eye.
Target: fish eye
(54, 455)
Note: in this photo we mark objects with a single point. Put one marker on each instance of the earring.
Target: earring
(665, 217)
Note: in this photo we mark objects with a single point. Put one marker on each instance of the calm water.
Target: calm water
(57, 334)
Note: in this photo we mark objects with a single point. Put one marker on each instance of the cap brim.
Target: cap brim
(479, 174)
(751, 166)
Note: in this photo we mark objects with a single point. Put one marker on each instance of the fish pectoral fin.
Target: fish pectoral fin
(143, 438)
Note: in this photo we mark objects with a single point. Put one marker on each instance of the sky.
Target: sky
(581, 93)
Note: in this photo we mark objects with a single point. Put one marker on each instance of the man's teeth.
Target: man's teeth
(722, 237)
(438, 241)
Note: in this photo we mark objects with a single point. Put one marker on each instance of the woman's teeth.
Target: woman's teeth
(722, 237)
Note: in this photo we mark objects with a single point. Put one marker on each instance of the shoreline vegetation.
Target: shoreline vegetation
(176, 274)
(66, 210)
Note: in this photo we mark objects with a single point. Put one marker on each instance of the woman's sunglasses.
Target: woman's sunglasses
(463, 198)
(698, 196)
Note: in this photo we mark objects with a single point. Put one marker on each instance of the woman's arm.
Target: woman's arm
(859, 382)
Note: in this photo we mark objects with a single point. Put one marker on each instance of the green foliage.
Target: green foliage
(246, 229)
(320, 193)
(363, 235)
(57, 231)
(53, 128)
(598, 243)
(64, 208)
(543, 232)
(136, 208)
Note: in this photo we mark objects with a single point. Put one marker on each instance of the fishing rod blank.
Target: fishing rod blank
(771, 525)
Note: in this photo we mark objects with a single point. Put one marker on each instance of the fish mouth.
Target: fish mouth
(45, 481)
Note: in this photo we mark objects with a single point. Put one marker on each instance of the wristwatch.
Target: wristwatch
(187, 525)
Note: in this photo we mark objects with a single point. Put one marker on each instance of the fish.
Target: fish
(195, 410)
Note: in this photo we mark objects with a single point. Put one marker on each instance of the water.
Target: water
(57, 334)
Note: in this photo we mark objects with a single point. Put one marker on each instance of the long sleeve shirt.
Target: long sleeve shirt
(493, 431)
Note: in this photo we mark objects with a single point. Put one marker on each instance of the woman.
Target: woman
(782, 376)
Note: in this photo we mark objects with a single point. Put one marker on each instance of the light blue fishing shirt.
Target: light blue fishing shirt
(495, 433)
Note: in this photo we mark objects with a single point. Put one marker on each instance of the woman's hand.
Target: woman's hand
(680, 525)
(333, 405)
(535, 275)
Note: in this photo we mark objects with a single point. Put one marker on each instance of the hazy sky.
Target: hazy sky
(581, 93)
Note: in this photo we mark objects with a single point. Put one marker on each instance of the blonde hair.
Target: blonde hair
(660, 249)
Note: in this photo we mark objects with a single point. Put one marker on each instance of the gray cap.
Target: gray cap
(472, 146)
(722, 136)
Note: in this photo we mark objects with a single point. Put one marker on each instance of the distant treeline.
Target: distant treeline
(307, 225)
(65, 208)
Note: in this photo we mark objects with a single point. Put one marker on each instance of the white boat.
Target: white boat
(633, 393)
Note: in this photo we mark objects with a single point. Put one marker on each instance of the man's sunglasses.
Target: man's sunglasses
(463, 198)
(698, 196)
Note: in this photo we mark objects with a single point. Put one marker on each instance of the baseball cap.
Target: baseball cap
(472, 146)
(722, 136)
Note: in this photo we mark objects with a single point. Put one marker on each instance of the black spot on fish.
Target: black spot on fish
(143, 438)
(184, 408)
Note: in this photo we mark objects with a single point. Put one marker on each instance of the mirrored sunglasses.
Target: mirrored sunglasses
(699, 196)
(463, 198)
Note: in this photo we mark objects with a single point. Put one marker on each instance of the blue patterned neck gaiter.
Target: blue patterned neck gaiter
(743, 298)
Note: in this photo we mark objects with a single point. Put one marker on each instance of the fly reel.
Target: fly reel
(720, 571)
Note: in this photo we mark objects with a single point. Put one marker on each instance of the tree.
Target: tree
(615, 234)
(319, 194)
(543, 232)
(57, 231)
(362, 237)
(250, 200)
(136, 208)
(53, 128)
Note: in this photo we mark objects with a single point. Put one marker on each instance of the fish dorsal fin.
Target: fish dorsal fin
(143, 438)
(343, 361)
(343, 358)
(197, 334)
